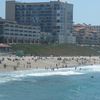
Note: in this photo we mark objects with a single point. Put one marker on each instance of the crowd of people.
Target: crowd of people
(13, 63)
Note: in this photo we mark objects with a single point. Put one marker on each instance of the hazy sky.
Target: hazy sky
(85, 11)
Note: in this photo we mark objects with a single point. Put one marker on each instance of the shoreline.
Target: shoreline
(14, 63)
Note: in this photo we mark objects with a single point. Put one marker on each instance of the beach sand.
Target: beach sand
(14, 63)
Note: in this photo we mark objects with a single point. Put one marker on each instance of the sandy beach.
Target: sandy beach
(14, 63)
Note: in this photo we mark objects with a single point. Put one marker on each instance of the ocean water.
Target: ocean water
(62, 84)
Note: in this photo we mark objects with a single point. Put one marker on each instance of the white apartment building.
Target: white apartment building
(11, 32)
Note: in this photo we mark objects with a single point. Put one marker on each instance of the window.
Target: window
(34, 31)
(25, 34)
(21, 34)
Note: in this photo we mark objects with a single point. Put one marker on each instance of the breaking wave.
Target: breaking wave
(19, 75)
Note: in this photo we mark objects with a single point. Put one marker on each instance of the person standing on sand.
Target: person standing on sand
(15, 68)
(0, 62)
(5, 66)
(18, 64)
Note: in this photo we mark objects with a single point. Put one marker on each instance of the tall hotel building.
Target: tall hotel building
(55, 17)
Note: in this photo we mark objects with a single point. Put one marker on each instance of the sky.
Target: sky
(85, 11)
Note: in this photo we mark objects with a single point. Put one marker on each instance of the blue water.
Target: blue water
(66, 84)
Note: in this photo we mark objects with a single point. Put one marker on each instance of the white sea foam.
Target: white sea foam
(19, 75)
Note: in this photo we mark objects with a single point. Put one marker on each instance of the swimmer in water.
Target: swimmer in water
(80, 68)
(75, 68)
(92, 76)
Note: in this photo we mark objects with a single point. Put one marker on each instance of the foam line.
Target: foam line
(19, 75)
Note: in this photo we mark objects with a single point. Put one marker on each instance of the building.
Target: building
(11, 32)
(86, 34)
(96, 28)
(55, 17)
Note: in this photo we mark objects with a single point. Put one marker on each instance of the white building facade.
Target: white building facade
(11, 32)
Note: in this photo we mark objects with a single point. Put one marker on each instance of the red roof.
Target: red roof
(4, 46)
